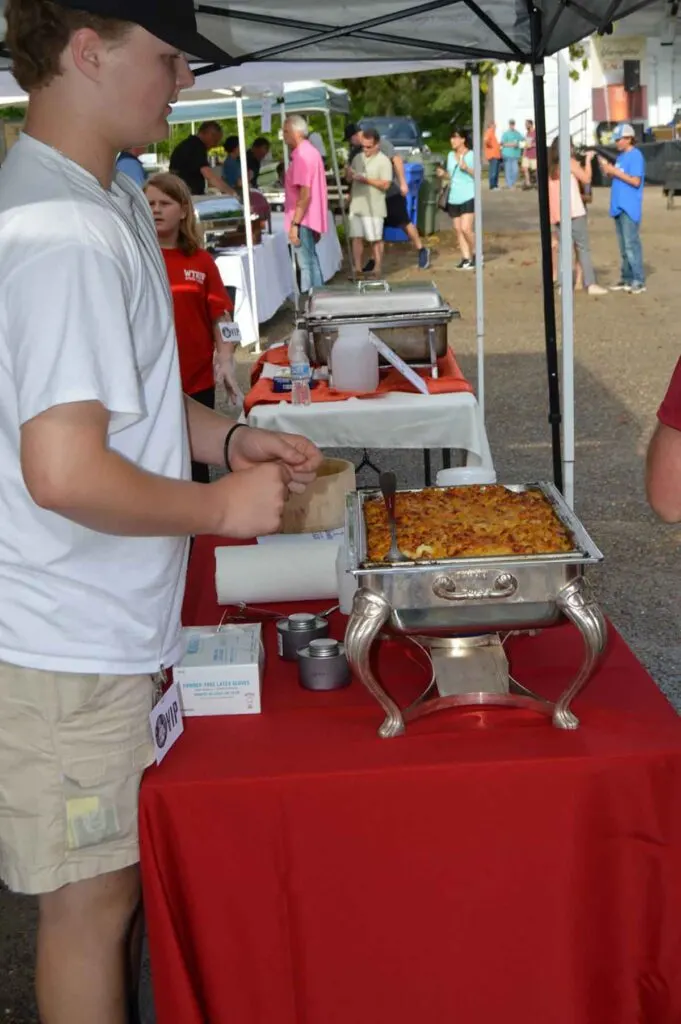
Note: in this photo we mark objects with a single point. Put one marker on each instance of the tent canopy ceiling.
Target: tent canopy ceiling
(470, 30)
(254, 30)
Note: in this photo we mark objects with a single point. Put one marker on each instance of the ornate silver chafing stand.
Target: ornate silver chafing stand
(459, 607)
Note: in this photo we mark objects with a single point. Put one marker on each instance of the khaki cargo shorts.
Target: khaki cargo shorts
(72, 752)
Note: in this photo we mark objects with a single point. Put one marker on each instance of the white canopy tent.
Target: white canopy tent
(464, 30)
(227, 99)
(272, 32)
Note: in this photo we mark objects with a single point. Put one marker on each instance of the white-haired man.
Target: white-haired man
(95, 496)
(306, 203)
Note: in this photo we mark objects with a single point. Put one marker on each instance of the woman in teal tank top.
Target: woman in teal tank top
(461, 198)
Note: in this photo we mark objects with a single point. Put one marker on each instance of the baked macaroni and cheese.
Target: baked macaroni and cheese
(466, 522)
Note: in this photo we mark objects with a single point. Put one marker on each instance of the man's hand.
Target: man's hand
(607, 167)
(294, 236)
(251, 502)
(250, 447)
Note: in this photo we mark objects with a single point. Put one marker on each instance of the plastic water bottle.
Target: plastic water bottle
(300, 367)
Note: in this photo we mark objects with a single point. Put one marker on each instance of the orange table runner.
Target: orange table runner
(451, 380)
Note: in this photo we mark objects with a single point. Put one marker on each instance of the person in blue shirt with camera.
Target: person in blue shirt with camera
(626, 207)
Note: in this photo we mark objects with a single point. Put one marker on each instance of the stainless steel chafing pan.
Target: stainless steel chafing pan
(461, 597)
(411, 318)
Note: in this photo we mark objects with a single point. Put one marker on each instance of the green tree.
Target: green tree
(433, 98)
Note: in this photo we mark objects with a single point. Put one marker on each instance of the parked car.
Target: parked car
(403, 132)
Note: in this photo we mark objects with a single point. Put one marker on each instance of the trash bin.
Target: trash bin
(427, 206)
(414, 175)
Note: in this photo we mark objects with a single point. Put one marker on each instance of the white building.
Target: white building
(633, 74)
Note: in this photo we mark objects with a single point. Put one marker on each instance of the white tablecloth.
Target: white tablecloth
(328, 248)
(274, 281)
(399, 420)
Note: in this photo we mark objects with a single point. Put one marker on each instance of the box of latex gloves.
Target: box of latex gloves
(221, 671)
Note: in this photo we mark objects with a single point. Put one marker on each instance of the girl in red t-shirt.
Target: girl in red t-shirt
(199, 297)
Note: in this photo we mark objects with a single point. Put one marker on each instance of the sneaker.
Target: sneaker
(595, 289)
(637, 289)
(369, 267)
(464, 265)
(470, 264)
(424, 258)
(621, 286)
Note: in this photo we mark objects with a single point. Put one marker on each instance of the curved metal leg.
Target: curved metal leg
(577, 603)
(370, 612)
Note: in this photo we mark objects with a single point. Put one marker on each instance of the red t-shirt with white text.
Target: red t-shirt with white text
(669, 412)
(199, 299)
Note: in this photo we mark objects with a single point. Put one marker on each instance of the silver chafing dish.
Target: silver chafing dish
(467, 597)
(411, 318)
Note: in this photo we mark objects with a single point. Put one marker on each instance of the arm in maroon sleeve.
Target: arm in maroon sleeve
(663, 465)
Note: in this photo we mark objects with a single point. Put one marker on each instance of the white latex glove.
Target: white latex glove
(225, 373)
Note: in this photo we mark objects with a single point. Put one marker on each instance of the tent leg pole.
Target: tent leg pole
(567, 296)
(547, 270)
(294, 266)
(339, 186)
(479, 279)
(246, 194)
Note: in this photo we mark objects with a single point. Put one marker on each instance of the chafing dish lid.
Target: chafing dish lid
(375, 298)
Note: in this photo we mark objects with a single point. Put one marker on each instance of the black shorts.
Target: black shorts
(397, 216)
(458, 209)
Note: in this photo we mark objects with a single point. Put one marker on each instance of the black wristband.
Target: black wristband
(227, 440)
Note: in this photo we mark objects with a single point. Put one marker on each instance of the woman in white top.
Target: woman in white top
(580, 231)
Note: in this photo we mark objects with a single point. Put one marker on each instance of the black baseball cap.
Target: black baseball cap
(173, 21)
(350, 130)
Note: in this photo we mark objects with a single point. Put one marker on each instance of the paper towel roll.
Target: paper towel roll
(303, 570)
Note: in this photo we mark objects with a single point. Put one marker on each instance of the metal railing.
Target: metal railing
(579, 130)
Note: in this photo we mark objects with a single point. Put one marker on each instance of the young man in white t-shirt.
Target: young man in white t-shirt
(96, 502)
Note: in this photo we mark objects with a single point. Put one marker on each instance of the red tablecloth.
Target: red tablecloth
(483, 869)
(450, 381)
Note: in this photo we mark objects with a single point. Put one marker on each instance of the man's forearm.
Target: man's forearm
(663, 473)
(109, 494)
(302, 204)
(378, 183)
(628, 179)
(207, 432)
(217, 182)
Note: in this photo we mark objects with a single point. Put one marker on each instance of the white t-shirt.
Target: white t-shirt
(85, 314)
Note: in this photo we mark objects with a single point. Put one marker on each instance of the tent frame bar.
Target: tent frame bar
(551, 342)
(499, 33)
(443, 49)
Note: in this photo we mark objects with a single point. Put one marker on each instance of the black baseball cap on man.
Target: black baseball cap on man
(173, 21)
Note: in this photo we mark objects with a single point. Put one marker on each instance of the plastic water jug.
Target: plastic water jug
(354, 360)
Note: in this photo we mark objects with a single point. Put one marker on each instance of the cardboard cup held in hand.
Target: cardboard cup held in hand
(322, 506)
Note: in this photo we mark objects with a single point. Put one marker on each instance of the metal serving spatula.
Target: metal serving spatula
(388, 485)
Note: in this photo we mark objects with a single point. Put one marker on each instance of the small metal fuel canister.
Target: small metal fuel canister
(297, 631)
(322, 665)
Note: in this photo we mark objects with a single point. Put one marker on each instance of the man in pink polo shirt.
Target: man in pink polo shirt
(306, 203)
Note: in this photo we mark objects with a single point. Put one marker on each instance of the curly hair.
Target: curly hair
(38, 32)
(189, 238)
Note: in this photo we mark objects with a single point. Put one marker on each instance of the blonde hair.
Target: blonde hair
(189, 238)
(38, 32)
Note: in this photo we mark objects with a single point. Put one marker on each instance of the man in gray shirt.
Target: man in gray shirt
(398, 215)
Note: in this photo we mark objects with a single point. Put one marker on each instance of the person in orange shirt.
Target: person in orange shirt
(492, 155)
(200, 301)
